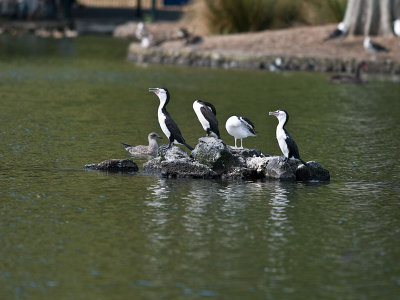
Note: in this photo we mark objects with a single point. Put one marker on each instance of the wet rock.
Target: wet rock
(215, 154)
(312, 172)
(174, 162)
(186, 168)
(114, 165)
(172, 153)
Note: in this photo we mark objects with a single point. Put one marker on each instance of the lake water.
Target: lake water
(67, 233)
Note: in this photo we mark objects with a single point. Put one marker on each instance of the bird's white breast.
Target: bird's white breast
(161, 121)
(236, 128)
(281, 137)
(202, 119)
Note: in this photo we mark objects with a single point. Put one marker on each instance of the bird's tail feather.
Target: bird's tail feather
(126, 145)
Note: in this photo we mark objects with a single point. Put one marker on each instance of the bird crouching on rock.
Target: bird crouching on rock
(167, 124)
(286, 143)
(151, 149)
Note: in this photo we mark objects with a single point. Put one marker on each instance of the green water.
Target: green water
(66, 233)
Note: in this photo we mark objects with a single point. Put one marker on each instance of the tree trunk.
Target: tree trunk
(371, 17)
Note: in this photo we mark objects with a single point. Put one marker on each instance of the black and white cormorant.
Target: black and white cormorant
(339, 32)
(167, 124)
(286, 143)
(240, 127)
(206, 114)
(151, 149)
(373, 47)
(356, 78)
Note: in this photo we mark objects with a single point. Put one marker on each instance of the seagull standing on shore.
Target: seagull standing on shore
(240, 127)
(373, 47)
(167, 124)
(339, 32)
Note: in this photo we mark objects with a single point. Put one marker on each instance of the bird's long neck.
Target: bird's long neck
(163, 104)
(281, 127)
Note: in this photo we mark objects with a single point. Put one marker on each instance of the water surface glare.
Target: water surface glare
(67, 233)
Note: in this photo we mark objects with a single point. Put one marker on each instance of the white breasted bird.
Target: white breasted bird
(373, 47)
(167, 124)
(339, 32)
(286, 143)
(151, 149)
(206, 114)
(240, 127)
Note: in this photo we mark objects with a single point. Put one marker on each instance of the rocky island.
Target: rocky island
(213, 159)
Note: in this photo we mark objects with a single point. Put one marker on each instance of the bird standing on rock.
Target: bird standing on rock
(167, 124)
(151, 149)
(206, 114)
(286, 143)
(240, 127)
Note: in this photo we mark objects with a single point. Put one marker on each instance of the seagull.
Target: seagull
(206, 114)
(339, 32)
(167, 124)
(372, 47)
(151, 149)
(240, 127)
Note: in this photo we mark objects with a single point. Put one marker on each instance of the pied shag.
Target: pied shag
(286, 143)
(240, 127)
(206, 114)
(151, 149)
(167, 124)
(339, 32)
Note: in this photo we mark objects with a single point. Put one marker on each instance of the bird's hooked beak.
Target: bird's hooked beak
(153, 90)
(159, 137)
(274, 113)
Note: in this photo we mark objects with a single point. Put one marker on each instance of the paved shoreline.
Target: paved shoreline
(241, 60)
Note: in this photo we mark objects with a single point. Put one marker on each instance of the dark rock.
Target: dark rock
(186, 168)
(312, 172)
(215, 154)
(114, 165)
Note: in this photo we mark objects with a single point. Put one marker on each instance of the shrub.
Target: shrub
(227, 16)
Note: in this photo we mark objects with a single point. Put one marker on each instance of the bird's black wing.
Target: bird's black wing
(248, 124)
(334, 34)
(211, 107)
(211, 118)
(379, 47)
(173, 129)
(293, 150)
